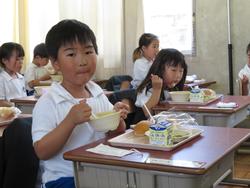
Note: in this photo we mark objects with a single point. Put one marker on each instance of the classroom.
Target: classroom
(124, 93)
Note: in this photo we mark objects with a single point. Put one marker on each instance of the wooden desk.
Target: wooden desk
(201, 84)
(215, 148)
(26, 104)
(211, 115)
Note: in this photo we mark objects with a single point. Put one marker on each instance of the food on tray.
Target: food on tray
(179, 135)
(141, 127)
(6, 113)
(202, 95)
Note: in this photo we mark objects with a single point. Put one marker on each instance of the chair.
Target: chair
(18, 162)
(118, 82)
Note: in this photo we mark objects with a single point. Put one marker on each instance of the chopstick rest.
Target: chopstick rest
(226, 105)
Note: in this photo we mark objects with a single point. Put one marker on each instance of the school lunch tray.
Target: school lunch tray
(128, 139)
(197, 103)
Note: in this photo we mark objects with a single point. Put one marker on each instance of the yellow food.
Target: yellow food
(141, 127)
(6, 113)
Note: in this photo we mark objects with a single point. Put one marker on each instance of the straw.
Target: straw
(150, 115)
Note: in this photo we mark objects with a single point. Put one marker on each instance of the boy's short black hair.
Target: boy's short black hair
(41, 51)
(68, 31)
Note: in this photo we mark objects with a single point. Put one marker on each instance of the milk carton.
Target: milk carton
(161, 134)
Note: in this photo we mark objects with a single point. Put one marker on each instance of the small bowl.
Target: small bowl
(40, 90)
(105, 121)
(180, 96)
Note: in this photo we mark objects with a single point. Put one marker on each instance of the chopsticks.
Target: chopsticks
(150, 115)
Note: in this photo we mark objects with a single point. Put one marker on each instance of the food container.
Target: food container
(161, 134)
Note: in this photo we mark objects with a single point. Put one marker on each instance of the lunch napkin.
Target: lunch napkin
(109, 150)
(226, 104)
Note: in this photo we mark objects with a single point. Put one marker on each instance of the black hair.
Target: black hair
(145, 40)
(169, 57)
(68, 31)
(248, 48)
(41, 51)
(7, 49)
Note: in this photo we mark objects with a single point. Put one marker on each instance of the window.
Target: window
(173, 22)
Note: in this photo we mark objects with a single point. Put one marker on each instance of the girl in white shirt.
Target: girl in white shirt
(12, 84)
(143, 57)
(167, 73)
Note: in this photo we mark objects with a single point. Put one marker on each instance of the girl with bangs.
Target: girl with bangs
(167, 73)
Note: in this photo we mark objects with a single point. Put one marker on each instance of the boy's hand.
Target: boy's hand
(123, 108)
(157, 82)
(245, 79)
(80, 113)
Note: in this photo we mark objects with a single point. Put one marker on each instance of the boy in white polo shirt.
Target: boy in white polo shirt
(60, 117)
(37, 72)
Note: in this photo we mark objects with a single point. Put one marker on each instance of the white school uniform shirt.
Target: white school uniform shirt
(143, 97)
(245, 71)
(34, 72)
(11, 88)
(50, 110)
(141, 68)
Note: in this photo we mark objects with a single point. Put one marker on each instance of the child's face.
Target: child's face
(172, 76)
(77, 62)
(42, 61)
(14, 63)
(151, 51)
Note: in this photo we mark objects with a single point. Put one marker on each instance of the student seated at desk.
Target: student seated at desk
(37, 72)
(167, 73)
(244, 74)
(12, 84)
(72, 50)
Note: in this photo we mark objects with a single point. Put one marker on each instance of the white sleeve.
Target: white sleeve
(241, 73)
(142, 98)
(2, 89)
(43, 120)
(140, 71)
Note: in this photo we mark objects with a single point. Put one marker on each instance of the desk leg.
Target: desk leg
(76, 178)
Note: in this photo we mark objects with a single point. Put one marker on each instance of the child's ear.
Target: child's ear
(55, 64)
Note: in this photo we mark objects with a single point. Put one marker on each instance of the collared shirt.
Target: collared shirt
(34, 72)
(11, 88)
(141, 68)
(49, 112)
(245, 71)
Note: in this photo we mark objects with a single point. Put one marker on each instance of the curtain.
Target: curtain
(134, 28)
(28, 21)
(14, 24)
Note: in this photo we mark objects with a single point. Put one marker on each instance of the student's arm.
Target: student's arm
(45, 77)
(54, 141)
(245, 83)
(156, 93)
(123, 108)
